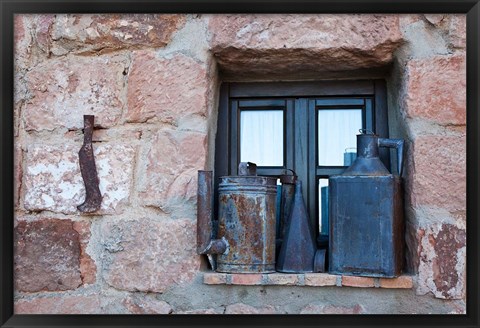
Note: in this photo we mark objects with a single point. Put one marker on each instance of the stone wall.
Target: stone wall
(152, 82)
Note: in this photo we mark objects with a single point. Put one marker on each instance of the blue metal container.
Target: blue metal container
(366, 214)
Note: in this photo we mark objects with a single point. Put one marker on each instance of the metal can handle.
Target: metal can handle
(247, 168)
(288, 178)
(397, 144)
(366, 131)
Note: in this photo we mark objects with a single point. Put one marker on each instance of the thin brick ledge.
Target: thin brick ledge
(306, 279)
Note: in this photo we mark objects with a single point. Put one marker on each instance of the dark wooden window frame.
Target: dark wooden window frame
(300, 102)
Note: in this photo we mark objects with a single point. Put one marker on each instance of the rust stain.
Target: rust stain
(247, 221)
(449, 240)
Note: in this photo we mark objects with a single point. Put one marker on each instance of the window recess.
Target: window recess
(309, 127)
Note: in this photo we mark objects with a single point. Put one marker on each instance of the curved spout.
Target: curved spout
(206, 244)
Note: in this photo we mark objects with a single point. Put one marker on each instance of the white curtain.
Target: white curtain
(261, 137)
(337, 131)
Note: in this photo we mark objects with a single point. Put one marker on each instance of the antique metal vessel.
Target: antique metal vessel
(287, 190)
(246, 222)
(298, 249)
(366, 213)
(246, 219)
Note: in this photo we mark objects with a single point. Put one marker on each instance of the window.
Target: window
(309, 127)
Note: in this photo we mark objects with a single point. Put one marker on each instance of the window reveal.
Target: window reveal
(307, 127)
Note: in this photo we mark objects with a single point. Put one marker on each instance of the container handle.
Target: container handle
(366, 131)
(288, 178)
(247, 168)
(398, 145)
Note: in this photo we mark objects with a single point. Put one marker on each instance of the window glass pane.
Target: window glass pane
(337, 135)
(261, 137)
(323, 206)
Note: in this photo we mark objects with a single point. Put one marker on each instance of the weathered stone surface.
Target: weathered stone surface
(43, 28)
(54, 182)
(22, 42)
(332, 309)
(165, 89)
(88, 268)
(21, 62)
(146, 304)
(442, 262)
(108, 32)
(59, 305)
(281, 279)
(319, 279)
(435, 19)
(200, 311)
(247, 279)
(18, 173)
(169, 174)
(353, 281)
(47, 254)
(407, 19)
(214, 278)
(240, 308)
(63, 90)
(148, 256)
(413, 239)
(298, 44)
(399, 282)
(457, 32)
(436, 89)
(439, 172)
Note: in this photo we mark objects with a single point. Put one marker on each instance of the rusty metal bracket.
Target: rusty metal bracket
(93, 198)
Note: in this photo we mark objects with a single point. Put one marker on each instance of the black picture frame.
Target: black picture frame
(10, 7)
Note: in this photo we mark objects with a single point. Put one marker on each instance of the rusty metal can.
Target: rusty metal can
(246, 219)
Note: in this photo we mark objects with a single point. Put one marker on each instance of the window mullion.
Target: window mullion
(290, 135)
(301, 143)
(312, 164)
(234, 138)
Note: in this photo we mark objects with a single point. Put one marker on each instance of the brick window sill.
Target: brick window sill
(305, 279)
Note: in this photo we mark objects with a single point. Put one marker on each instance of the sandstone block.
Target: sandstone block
(166, 89)
(59, 305)
(240, 308)
(353, 281)
(53, 180)
(43, 26)
(297, 44)
(320, 279)
(435, 19)
(22, 42)
(457, 32)
(331, 309)
(399, 282)
(281, 279)
(65, 89)
(88, 268)
(246, 279)
(443, 262)
(146, 304)
(214, 278)
(149, 256)
(169, 174)
(436, 89)
(47, 254)
(439, 174)
(107, 32)
(18, 173)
